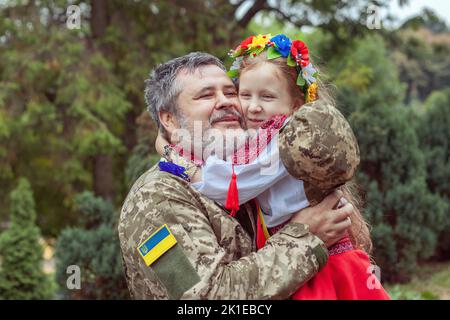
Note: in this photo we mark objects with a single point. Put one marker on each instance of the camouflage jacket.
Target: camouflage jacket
(318, 146)
(215, 255)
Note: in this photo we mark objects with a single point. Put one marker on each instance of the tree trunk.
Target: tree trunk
(103, 176)
(103, 164)
(99, 18)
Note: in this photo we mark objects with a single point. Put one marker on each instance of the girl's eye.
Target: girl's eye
(245, 95)
(268, 97)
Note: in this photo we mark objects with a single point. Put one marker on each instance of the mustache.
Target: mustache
(217, 116)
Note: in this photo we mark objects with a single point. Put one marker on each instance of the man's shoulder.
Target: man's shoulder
(152, 189)
(156, 182)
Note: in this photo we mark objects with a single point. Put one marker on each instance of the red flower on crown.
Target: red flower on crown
(244, 44)
(299, 51)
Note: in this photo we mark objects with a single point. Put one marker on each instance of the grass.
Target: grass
(432, 282)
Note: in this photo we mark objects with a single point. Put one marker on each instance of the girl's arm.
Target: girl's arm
(318, 146)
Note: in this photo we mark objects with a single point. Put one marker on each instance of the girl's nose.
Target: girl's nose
(254, 107)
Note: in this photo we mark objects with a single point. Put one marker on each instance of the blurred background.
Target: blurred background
(75, 134)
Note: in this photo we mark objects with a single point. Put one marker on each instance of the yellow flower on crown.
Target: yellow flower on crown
(311, 94)
(259, 41)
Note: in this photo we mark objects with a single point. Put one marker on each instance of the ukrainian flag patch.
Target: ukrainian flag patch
(156, 245)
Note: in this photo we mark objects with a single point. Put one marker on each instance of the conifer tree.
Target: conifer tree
(405, 215)
(93, 246)
(21, 273)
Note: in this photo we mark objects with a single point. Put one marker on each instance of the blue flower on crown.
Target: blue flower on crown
(282, 44)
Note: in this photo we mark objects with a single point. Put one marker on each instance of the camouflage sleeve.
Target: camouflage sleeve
(290, 258)
(318, 146)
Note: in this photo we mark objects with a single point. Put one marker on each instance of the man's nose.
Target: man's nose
(224, 102)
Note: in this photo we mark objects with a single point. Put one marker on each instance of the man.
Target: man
(176, 243)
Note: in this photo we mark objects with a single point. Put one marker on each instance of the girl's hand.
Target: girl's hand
(160, 142)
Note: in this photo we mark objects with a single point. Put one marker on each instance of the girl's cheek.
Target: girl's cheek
(270, 108)
(244, 105)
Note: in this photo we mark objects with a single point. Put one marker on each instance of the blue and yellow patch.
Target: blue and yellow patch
(156, 245)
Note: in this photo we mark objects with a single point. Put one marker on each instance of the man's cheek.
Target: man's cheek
(239, 105)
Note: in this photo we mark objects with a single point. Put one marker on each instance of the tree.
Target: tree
(21, 274)
(93, 246)
(69, 99)
(434, 134)
(144, 155)
(406, 217)
(421, 47)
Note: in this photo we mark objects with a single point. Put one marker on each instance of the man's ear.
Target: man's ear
(168, 121)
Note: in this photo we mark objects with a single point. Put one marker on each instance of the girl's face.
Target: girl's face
(263, 92)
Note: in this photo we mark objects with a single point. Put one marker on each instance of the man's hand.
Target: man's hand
(324, 222)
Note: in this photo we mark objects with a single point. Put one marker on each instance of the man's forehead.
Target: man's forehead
(210, 75)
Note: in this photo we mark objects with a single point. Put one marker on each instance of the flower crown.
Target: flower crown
(295, 52)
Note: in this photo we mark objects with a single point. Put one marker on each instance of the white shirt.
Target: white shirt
(266, 178)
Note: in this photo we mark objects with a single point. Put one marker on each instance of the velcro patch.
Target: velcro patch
(157, 244)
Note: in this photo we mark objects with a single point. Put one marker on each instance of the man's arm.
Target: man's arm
(202, 258)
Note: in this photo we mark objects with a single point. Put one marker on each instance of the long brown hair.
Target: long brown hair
(359, 232)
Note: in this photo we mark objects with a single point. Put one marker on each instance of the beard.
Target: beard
(202, 140)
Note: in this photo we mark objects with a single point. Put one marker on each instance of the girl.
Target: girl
(276, 78)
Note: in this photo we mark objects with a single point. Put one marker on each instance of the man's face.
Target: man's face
(209, 96)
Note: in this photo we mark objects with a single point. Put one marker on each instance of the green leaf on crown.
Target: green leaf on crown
(272, 53)
(233, 73)
(290, 61)
(300, 80)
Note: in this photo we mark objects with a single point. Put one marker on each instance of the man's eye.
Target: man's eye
(231, 94)
(206, 96)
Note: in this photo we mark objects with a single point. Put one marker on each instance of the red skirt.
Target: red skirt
(346, 276)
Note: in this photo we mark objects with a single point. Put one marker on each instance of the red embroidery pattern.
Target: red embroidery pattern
(253, 147)
(341, 246)
(188, 155)
(277, 228)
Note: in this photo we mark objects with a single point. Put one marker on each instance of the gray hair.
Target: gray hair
(161, 90)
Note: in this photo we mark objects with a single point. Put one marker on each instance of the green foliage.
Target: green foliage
(431, 282)
(434, 134)
(396, 293)
(406, 217)
(421, 57)
(94, 247)
(144, 155)
(71, 97)
(428, 19)
(21, 274)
